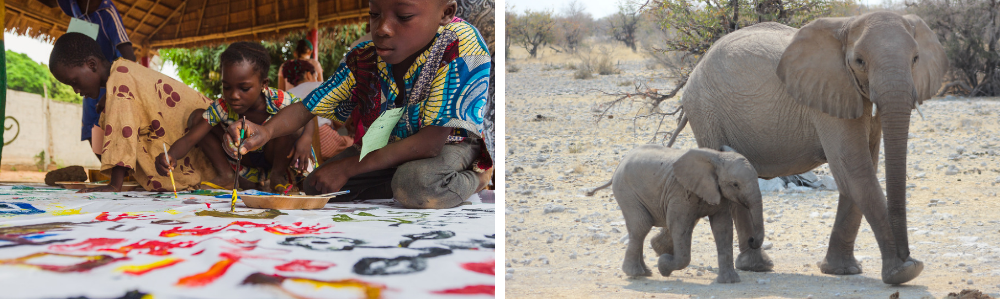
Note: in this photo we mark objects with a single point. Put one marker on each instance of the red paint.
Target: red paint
(470, 290)
(88, 245)
(297, 223)
(199, 252)
(276, 229)
(488, 268)
(144, 271)
(152, 247)
(207, 277)
(302, 265)
(104, 217)
(207, 205)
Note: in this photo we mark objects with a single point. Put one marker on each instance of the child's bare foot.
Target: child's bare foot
(278, 181)
(484, 179)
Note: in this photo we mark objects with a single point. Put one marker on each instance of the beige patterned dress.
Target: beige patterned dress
(144, 110)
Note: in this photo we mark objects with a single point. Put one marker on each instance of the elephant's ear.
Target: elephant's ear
(932, 62)
(815, 72)
(695, 170)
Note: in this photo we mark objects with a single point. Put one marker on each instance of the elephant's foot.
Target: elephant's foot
(665, 264)
(840, 266)
(636, 268)
(755, 260)
(728, 276)
(902, 273)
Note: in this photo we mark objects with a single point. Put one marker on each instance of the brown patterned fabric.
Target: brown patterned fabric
(144, 110)
(479, 13)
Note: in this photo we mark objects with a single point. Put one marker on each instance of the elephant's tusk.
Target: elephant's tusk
(920, 112)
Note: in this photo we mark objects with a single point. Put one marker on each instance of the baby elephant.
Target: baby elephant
(672, 189)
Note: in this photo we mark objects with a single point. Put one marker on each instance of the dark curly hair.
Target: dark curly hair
(73, 49)
(253, 53)
(293, 70)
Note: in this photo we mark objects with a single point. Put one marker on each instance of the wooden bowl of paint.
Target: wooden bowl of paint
(284, 202)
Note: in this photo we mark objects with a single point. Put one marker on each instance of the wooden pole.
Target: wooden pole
(3, 80)
(314, 27)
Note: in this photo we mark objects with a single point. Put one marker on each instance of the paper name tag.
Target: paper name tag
(84, 27)
(377, 135)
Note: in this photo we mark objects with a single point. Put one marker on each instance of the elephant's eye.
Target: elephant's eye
(736, 185)
(860, 61)
(915, 59)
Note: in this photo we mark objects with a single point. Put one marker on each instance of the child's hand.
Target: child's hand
(162, 167)
(301, 155)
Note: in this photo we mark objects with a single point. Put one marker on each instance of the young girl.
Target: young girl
(245, 93)
(144, 110)
(434, 67)
(303, 53)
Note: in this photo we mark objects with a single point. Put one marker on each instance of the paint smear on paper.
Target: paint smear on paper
(152, 247)
(10, 209)
(91, 244)
(143, 269)
(172, 211)
(66, 212)
(91, 261)
(267, 214)
(213, 273)
(370, 290)
(37, 228)
(488, 268)
(470, 290)
(302, 265)
(276, 229)
(104, 216)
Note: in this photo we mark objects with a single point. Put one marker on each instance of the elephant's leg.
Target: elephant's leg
(680, 232)
(849, 157)
(722, 231)
(663, 243)
(840, 254)
(638, 222)
(755, 260)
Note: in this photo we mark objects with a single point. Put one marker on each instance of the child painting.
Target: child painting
(245, 94)
(143, 110)
(435, 68)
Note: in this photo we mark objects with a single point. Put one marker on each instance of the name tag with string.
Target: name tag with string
(84, 27)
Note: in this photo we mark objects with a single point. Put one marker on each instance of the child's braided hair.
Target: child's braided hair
(293, 70)
(253, 53)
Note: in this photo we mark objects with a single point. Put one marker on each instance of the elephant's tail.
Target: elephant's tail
(681, 122)
(606, 185)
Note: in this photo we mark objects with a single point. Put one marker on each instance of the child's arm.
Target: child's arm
(426, 143)
(302, 153)
(181, 147)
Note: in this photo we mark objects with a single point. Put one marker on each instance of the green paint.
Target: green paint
(405, 218)
(267, 214)
(207, 193)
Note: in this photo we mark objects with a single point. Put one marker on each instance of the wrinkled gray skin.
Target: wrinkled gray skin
(792, 99)
(672, 189)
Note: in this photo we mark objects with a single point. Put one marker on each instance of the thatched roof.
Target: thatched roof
(188, 23)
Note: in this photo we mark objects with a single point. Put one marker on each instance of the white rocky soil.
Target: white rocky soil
(563, 244)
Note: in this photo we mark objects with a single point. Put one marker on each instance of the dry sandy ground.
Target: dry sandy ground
(21, 176)
(577, 252)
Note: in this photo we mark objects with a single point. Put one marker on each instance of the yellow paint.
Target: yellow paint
(66, 212)
(139, 269)
(172, 211)
(371, 291)
(148, 296)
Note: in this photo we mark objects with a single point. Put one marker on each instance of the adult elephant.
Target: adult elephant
(792, 99)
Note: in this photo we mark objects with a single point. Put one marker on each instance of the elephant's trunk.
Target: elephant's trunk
(895, 114)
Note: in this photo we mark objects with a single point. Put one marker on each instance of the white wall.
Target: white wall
(66, 120)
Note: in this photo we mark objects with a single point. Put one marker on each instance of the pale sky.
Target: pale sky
(597, 8)
(39, 51)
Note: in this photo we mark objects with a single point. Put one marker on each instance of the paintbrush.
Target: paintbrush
(239, 156)
(170, 170)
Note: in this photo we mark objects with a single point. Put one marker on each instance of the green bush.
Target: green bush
(26, 75)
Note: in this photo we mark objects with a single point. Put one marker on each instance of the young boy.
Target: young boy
(145, 109)
(436, 68)
(245, 93)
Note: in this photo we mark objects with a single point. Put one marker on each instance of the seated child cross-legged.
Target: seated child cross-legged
(434, 67)
(245, 93)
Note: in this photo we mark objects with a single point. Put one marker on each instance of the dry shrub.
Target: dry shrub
(600, 61)
(513, 68)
